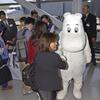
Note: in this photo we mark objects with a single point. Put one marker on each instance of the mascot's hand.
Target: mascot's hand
(65, 60)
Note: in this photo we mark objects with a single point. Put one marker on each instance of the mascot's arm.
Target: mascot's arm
(87, 51)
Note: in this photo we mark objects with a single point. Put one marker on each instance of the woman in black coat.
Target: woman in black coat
(47, 69)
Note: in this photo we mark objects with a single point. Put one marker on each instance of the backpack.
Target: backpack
(21, 46)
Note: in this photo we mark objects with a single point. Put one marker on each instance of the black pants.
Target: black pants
(47, 95)
(5, 74)
(93, 60)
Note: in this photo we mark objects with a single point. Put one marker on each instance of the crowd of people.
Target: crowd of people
(42, 42)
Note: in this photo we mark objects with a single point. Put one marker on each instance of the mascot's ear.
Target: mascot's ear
(66, 14)
(79, 14)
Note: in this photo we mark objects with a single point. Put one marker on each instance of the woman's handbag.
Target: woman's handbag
(28, 75)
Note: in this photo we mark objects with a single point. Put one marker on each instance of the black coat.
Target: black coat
(89, 24)
(11, 31)
(47, 73)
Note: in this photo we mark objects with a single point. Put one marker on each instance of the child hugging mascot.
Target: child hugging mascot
(74, 45)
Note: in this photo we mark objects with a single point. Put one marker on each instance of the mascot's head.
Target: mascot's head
(72, 35)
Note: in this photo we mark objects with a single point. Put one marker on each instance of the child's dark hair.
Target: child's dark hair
(2, 13)
(34, 12)
(22, 19)
(47, 17)
(45, 40)
(29, 20)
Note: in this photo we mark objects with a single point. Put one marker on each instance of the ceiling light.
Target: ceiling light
(89, 1)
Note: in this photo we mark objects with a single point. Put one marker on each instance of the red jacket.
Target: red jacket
(31, 51)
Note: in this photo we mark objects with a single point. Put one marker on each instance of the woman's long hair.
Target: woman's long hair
(40, 28)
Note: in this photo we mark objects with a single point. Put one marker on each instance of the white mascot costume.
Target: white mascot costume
(75, 47)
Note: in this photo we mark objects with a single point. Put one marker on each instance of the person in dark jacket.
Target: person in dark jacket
(89, 23)
(47, 79)
(46, 19)
(10, 32)
(5, 74)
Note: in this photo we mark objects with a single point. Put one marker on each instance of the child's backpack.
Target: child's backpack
(21, 46)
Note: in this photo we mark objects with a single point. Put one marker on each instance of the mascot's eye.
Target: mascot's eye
(68, 29)
(76, 30)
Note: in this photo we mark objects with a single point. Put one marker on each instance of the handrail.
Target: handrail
(30, 7)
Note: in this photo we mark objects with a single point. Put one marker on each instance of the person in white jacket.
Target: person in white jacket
(74, 45)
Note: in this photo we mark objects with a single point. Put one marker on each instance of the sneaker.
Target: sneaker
(30, 91)
(9, 87)
(27, 92)
(27, 89)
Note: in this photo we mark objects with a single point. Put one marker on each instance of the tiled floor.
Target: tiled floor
(90, 90)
